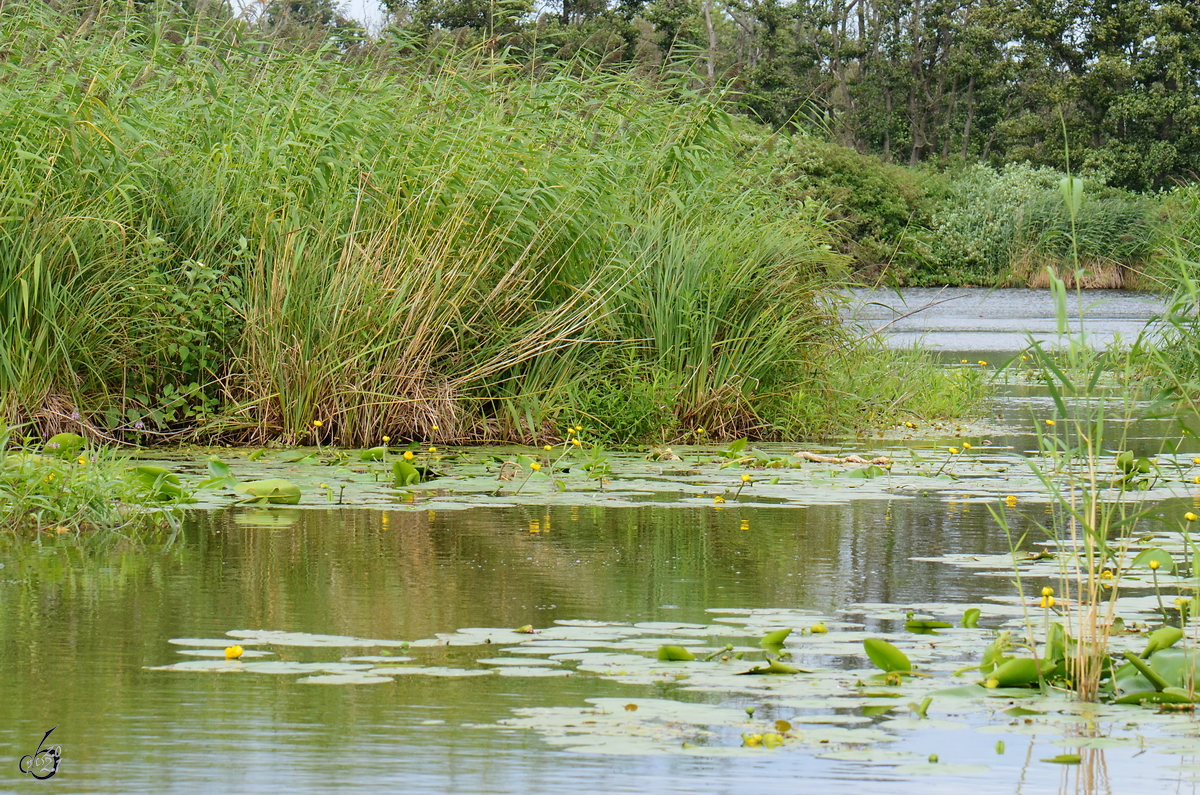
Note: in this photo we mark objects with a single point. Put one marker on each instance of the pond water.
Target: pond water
(108, 642)
(1000, 320)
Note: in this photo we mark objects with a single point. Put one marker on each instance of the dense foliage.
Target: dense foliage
(213, 232)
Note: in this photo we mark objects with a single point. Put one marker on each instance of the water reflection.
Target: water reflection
(78, 629)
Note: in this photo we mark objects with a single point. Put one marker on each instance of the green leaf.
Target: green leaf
(1019, 672)
(674, 654)
(1166, 563)
(218, 468)
(1160, 639)
(1063, 759)
(161, 483)
(775, 638)
(273, 491)
(925, 626)
(772, 667)
(970, 618)
(373, 454)
(405, 474)
(64, 445)
(885, 656)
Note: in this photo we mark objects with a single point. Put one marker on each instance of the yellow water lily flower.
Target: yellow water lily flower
(547, 447)
(1191, 517)
(1047, 602)
(577, 443)
(1154, 564)
(408, 455)
(718, 500)
(387, 439)
(745, 478)
(953, 450)
(1011, 501)
(1050, 422)
(535, 466)
(1047, 591)
(233, 652)
(433, 449)
(317, 423)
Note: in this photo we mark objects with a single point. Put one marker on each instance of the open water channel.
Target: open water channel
(92, 637)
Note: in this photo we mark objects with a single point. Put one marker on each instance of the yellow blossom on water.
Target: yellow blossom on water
(718, 500)
(1196, 479)
(233, 652)
(1023, 358)
(1106, 574)
(964, 361)
(433, 449)
(700, 431)
(1154, 564)
(577, 443)
(1196, 459)
(1049, 422)
(1191, 517)
(818, 629)
(909, 425)
(1011, 501)
(547, 447)
(745, 478)
(82, 459)
(322, 485)
(1047, 591)
(435, 427)
(578, 429)
(570, 430)
(982, 363)
(408, 456)
(317, 423)
(966, 445)
(535, 466)
(953, 450)
(387, 439)
(1047, 602)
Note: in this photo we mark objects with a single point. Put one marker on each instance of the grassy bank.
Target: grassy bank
(209, 235)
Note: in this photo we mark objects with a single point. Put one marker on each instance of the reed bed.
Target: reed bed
(209, 234)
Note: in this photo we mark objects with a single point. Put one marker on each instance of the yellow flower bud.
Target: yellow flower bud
(953, 450)
(577, 443)
(535, 466)
(966, 445)
(547, 447)
(1011, 501)
(1047, 591)
(718, 500)
(1049, 422)
(1154, 564)
(1047, 602)
(433, 449)
(317, 423)
(1191, 517)
(745, 478)
(408, 455)
(387, 439)
(233, 652)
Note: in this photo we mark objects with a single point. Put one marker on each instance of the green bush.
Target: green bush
(879, 206)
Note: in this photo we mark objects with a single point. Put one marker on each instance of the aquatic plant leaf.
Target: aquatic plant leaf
(1019, 672)
(161, 483)
(273, 491)
(675, 654)
(64, 445)
(404, 473)
(775, 638)
(373, 454)
(1165, 561)
(970, 618)
(1063, 759)
(774, 667)
(1163, 638)
(994, 653)
(925, 626)
(885, 656)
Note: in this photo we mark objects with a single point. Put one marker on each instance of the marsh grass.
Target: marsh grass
(212, 234)
(46, 494)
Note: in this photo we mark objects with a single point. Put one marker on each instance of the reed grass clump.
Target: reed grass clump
(212, 234)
